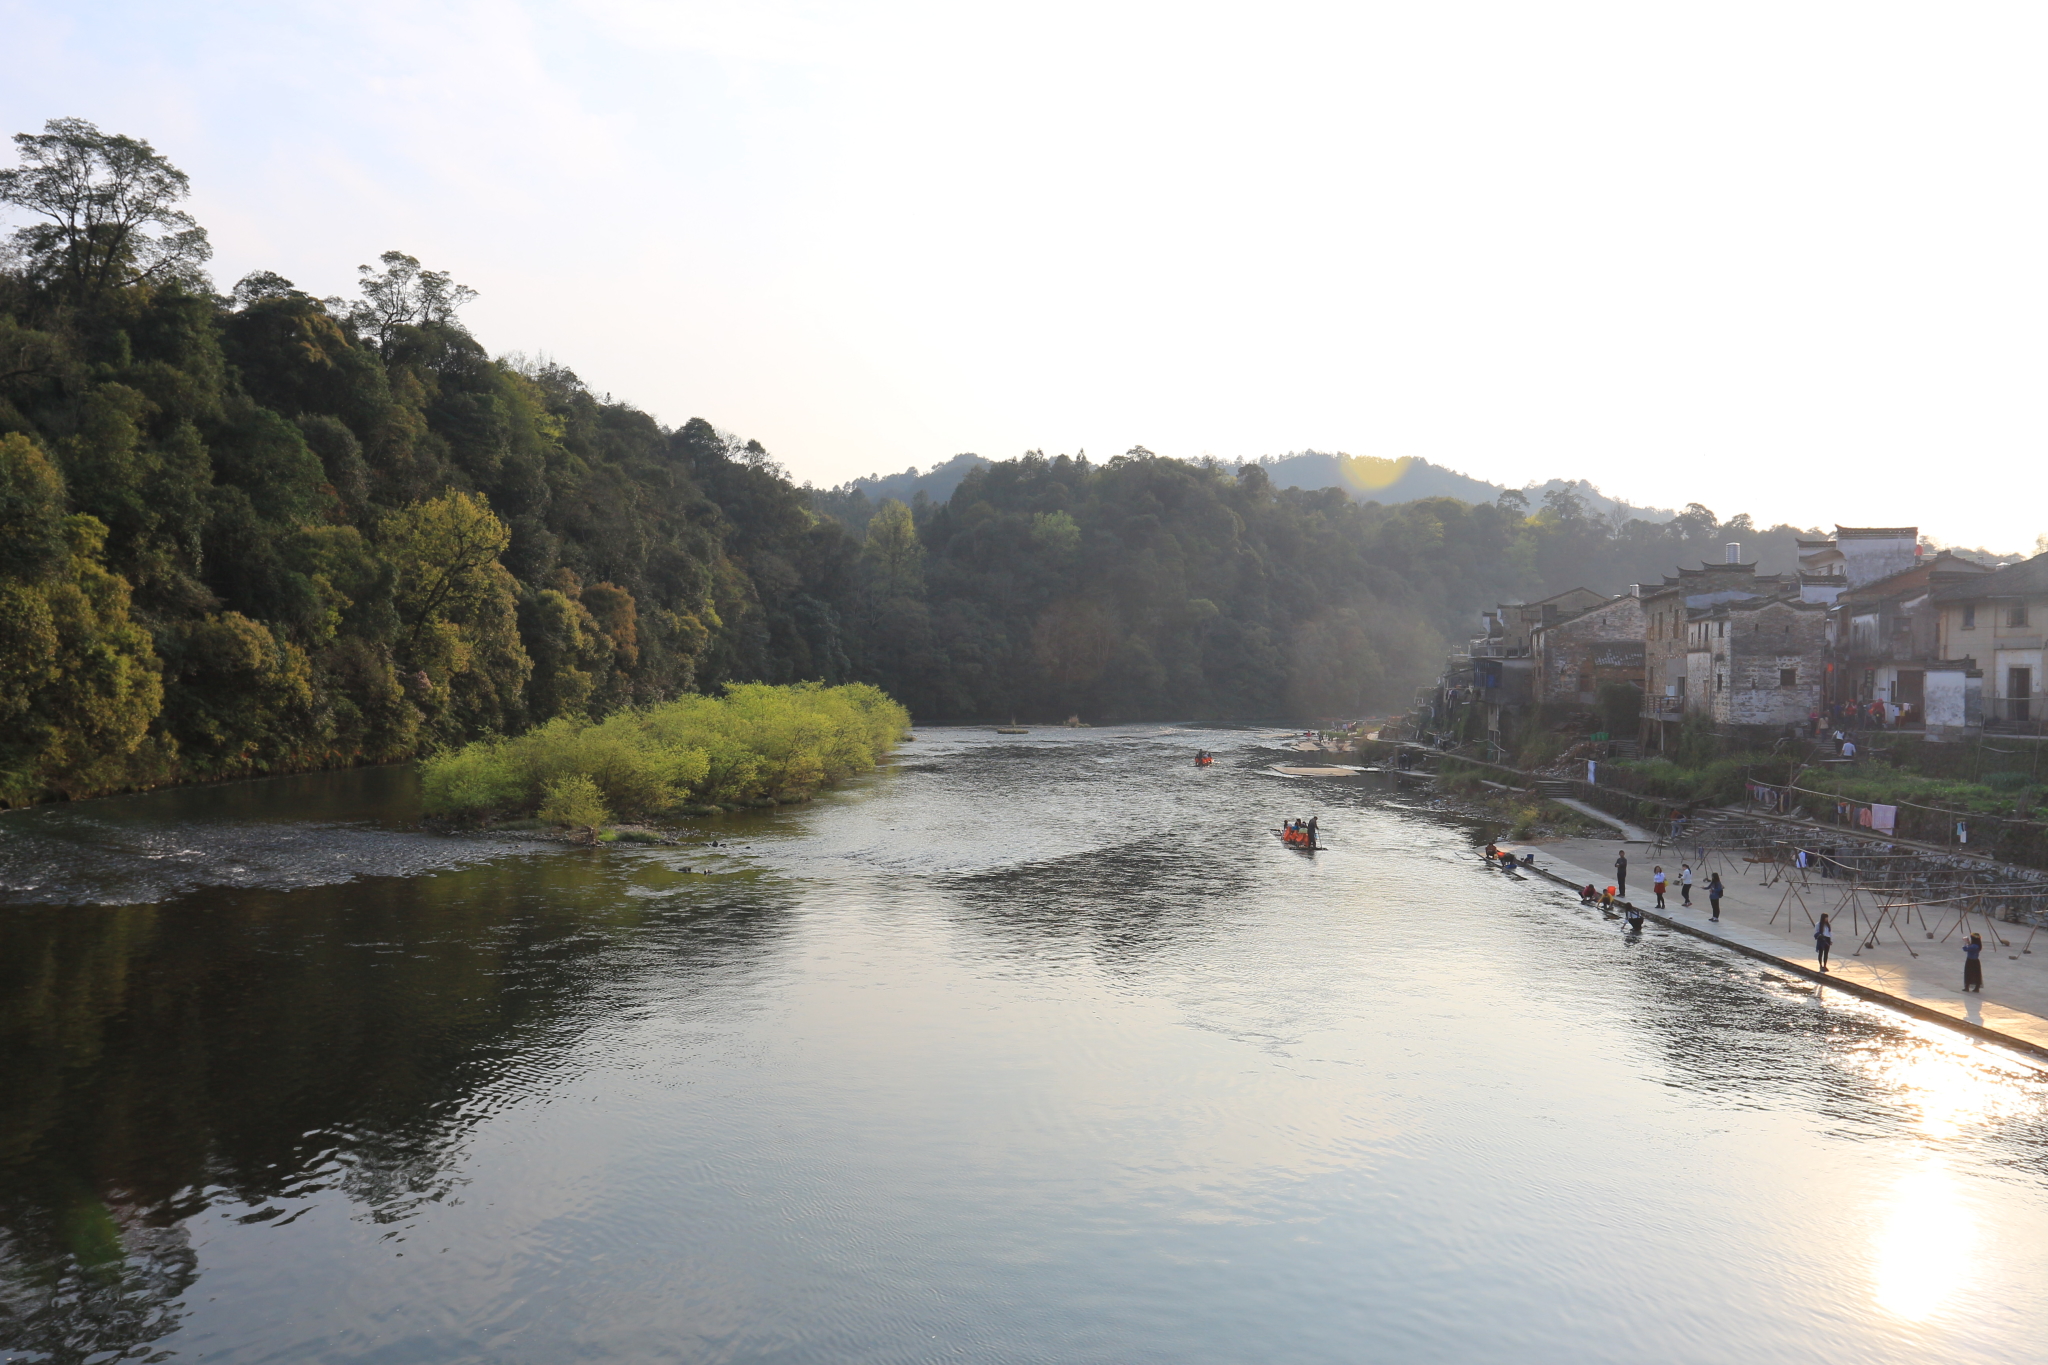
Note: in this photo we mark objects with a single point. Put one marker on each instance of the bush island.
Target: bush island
(756, 744)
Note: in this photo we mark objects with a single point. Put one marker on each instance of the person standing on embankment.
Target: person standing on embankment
(1714, 889)
(1823, 939)
(1621, 874)
(1973, 966)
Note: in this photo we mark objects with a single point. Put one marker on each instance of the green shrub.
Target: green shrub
(1716, 781)
(750, 747)
(1539, 749)
(576, 802)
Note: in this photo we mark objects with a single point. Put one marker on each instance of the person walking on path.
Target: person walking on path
(1621, 874)
(1973, 968)
(1657, 882)
(1685, 884)
(1823, 939)
(1714, 895)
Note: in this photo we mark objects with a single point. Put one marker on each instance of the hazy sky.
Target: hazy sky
(1779, 258)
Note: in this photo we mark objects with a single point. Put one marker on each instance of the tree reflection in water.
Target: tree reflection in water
(259, 1048)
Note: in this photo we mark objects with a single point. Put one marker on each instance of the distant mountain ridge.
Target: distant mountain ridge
(1368, 478)
(1373, 478)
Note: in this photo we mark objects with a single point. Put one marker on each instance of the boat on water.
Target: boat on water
(1298, 839)
(1013, 728)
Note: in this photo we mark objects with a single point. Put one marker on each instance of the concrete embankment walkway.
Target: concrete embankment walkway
(1907, 969)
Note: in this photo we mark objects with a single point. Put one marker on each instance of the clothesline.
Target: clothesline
(1950, 811)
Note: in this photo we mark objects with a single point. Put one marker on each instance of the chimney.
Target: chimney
(1734, 552)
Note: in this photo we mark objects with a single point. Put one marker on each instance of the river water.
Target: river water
(1032, 1048)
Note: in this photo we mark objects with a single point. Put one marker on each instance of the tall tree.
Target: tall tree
(109, 210)
(403, 294)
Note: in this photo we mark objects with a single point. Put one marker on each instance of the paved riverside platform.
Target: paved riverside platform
(2012, 1009)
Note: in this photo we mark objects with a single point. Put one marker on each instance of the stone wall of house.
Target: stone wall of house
(1664, 646)
(1574, 657)
(1762, 646)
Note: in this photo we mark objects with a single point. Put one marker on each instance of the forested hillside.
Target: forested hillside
(260, 530)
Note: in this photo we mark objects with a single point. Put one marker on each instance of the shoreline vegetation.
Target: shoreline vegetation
(248, 530)
(759, 745)
(754, 747)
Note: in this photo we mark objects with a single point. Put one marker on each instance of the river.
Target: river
(1024, 1049)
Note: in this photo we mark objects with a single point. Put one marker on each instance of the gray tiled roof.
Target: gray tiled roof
(2028, 578)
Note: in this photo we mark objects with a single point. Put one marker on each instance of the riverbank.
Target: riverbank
(1915, 965)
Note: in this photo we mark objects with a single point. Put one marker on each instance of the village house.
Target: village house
(1869, 553)
(1505, 631)
(1884, 642)
(1996, 623)
(1668, 610)
(1576, 654)
(1733, 647)
(1757, 661)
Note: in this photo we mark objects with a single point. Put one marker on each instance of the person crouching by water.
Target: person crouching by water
(1973, 966)
(1634, 919)
(1492, 852)
(1823, 939)
(1587, 895)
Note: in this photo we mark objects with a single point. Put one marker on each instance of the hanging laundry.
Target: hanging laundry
(1884, 818)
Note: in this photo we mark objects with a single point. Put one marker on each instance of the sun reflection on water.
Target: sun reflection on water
(1924, 1251)
(1952, 1086)
(1923, 1254)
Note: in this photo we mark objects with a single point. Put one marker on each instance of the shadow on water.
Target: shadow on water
(1125, 899)
(257, 1049)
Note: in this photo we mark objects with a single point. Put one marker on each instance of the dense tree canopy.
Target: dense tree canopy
(263, 531)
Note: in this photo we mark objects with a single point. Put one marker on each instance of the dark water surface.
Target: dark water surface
(1028, 1049)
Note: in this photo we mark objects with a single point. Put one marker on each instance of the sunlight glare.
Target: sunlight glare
(1923, 1253)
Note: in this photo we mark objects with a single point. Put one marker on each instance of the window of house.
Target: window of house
(1970, 616)
(2016, 615)
(1788, 677)
(1720, 682)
